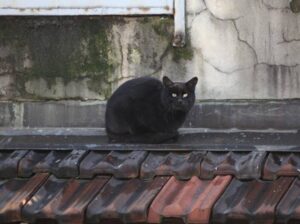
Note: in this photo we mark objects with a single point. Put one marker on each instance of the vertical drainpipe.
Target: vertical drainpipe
(179, 23)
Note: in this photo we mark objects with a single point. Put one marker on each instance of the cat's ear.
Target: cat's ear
(191, 84)
(167, 82)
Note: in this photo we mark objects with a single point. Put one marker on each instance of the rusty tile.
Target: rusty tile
(62, 200)
(281, 164)
(29, 161)
(14, 193)
(183, 165)
(69, 166)
(64, 163)
(187, 201)
(119, 164)
(9, 161)
(50, 161)
(288, 210)
(250, 201)
(124, 201)
(243, 165)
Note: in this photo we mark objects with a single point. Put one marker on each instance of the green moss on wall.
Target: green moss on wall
(67, 48)
(295, 6)
(165, 28)
(185, 52)
(60, 50)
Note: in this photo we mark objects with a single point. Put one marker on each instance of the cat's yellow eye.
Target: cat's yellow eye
(174, 95)
(185, 95)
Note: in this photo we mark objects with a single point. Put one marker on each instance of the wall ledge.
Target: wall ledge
(227, 114)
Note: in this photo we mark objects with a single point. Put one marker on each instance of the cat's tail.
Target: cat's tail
(148, 138)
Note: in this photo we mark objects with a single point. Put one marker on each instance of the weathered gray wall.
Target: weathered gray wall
(239, 49)
(246, 49)
(237, 114)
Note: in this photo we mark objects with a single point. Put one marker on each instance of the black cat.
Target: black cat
(146, 110)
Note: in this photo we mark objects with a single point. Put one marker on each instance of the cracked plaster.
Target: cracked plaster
(248, 49)
(135, 58)
(228, 9)
(278, 81)
(239, 50)
(195, 6)
(276, 4)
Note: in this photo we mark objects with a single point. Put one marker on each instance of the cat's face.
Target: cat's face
(179, 96)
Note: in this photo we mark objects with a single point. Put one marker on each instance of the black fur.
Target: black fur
(146, 110)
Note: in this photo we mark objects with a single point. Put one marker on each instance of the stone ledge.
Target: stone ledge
(64, 114)
(196, 140)
(250, 115)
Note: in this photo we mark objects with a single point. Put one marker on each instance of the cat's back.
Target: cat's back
(131, 100)
(139, 88)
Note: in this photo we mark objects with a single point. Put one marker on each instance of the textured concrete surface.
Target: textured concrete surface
(238, 49)
(234, 114)
(248, 49)
(11, 114)
(59, 71)
(196, 140)
(64, 114)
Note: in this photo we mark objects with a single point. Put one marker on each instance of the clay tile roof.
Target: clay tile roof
(252, 201)
(190, 201)
(183, 165)
(62, 200)
(119, 164)
(15, 194)
(288, 210)
(9, 163)
(158, 184)
(243, 165)
(124, 200)
(281, 164)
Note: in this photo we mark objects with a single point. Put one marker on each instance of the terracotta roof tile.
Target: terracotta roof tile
(288, 210)
(29, 161)
(64, 163)
(156, 186)
(69, 166)
(50, 161)
(124, 201)
(187, 201)
(62, 200)
(118, 164)
(9, 161)
(243, 165)
(281, 164)
(14, 193)
(183, 165)
(250, 201)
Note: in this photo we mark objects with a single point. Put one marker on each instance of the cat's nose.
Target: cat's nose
(180, 102)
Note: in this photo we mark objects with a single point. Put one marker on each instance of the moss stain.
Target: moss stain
(74, 49)
(295, 6)
(66, 48)
(164, 28)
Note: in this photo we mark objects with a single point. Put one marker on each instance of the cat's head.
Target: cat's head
(179, 96)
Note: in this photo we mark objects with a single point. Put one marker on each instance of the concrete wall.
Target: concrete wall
(234, 114)
(246, 49)
(238, 49)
